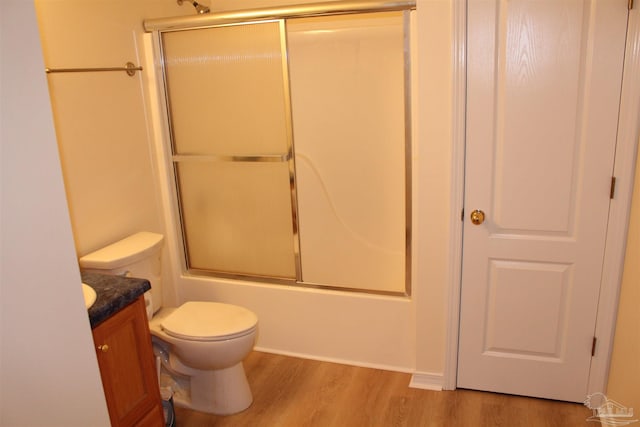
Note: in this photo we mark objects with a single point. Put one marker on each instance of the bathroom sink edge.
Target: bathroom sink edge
(89, 295)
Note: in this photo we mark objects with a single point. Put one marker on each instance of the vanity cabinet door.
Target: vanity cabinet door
(127, 367)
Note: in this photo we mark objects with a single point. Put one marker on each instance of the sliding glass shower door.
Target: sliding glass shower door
(291, 149)
(227, 89)
(349, 83)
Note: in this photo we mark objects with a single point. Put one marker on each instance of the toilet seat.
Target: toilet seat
(209, 321)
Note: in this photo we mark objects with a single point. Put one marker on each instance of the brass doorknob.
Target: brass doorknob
(477, 217)
(103, 347)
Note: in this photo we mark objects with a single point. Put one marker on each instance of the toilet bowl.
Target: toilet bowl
(200, 344)
(207, 342)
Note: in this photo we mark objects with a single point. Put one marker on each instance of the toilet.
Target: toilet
(200, 345)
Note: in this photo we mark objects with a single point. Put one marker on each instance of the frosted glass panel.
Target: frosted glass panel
(348, 101)
(228, 102)
(237, 217)
(226, 90)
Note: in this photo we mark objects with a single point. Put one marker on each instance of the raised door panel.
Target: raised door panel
(155, 418)
(123, 347)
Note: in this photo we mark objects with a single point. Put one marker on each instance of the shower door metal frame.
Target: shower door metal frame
(288, 157)
(280, 15)
(280, 12)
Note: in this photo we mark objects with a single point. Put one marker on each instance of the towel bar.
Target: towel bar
(129, 68)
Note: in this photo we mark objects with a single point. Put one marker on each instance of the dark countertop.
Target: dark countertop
(112, 294)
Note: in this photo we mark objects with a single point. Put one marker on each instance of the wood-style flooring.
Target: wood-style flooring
(293, 392)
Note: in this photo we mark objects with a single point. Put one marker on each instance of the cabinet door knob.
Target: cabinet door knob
(103, 347)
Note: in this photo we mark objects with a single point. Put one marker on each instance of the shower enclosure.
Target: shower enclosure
(290, 144)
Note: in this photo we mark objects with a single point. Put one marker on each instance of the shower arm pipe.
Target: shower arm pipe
(280, 12)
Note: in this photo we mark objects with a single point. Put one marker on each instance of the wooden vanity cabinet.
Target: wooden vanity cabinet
(127, 367)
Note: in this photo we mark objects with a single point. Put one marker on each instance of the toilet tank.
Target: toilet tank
(135, 256)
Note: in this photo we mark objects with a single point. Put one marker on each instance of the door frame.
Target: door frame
(619, 209)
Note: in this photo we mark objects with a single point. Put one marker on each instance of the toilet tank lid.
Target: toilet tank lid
(123, 252)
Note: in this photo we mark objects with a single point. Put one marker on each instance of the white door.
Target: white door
(544, 81)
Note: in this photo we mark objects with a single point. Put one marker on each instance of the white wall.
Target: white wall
(100, 118)
(433, 183)
(48, 369)
(624, 375)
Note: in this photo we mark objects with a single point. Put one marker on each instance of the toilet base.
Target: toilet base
(219, 392)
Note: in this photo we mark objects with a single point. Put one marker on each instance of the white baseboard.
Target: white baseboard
(421, 380)
(382, 367)
(427, 381)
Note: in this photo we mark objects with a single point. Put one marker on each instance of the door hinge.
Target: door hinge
(462, 215)
(593, 346)
(630, 5)
(612, 191)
